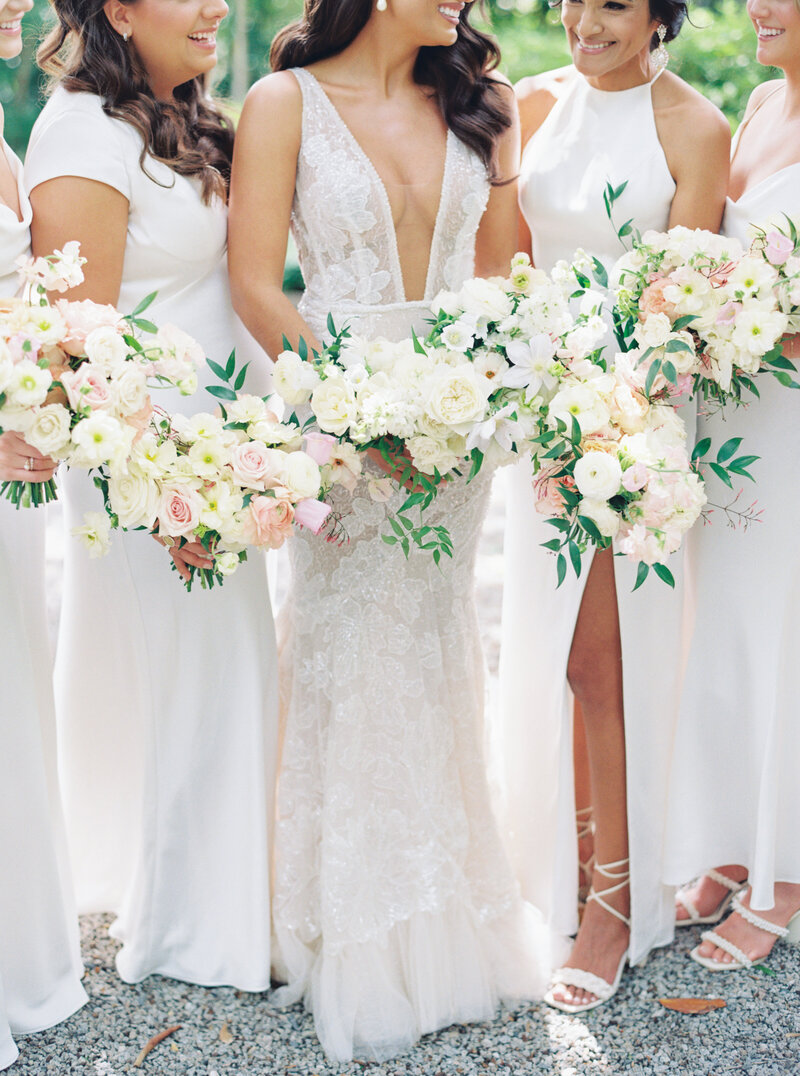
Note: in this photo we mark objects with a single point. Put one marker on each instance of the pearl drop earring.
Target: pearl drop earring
(380, 5)
(125, 37)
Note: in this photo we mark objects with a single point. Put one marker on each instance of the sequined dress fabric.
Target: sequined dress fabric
(395, 909)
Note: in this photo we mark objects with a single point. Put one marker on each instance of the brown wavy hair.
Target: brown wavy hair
(189, 134)
(471, 101)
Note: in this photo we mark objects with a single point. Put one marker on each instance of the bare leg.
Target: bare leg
(583, 804)
(706, 894)
(595, 676)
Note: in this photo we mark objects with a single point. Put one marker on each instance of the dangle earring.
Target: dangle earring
(380, 5)
(660, 55)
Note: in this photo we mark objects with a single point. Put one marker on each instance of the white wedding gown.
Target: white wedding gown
(166, 701)
(40, 964)
(395, 909)
(591, 137)
(734, 789)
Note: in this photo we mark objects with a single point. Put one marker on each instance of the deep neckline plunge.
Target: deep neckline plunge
(386, 205)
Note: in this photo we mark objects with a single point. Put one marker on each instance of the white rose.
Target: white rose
(49, 430)
(485, 299)
(226, 563)
(246, 408)
(446, 302)
(134, 500)
(654, 331)
(430, 455)
(604, 518)
(105, 347)
(457, 396)
(293, 379)
(130, 390)
(334, 405)
(302, 475)
(598, 476)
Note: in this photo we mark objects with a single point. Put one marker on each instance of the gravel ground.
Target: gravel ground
(224, 1032)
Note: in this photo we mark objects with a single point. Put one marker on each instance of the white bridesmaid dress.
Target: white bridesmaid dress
(167, 701)
(590, 137)
(734, 789)
(40, 965)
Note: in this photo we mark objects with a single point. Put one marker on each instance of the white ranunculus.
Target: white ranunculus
(457, 396)
(293, 379)
(302, 475)
(246, 408)
(334, 405)
(134, 499)
(604, 518)
(598, 476)
(49, 430)
(105, 347)
(582, 403)
(485, 299)
(654, 331)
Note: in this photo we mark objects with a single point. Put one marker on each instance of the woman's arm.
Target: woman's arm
(496, 241)
(535, 99)
(20, 462)
(262, 191)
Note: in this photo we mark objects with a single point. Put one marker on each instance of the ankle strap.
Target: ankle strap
(756, 920)
(724, 880)
(584, 821)
(614, 872)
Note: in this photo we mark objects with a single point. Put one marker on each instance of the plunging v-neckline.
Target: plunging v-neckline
(384, 197)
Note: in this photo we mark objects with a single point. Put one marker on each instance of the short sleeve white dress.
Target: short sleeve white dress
(167, 701)
(734, 789)
(40, 966)
(591, 137)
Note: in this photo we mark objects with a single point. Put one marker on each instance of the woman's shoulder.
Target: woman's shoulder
(70, 114)
(537, 94)
(685, 108)
(761, 92)
(277, 91)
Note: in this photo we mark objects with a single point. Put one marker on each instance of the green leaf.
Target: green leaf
(600, 274)
(302, 349)
(561, 569)
(240, 378)
(669, 372)
(418, 348)
(575, 435)
(230, 366)
(626, 228)
(575, 557)
(554, 544)
(221, 392)
(591, 529)
(641, 574)
(672, 346)
(145, 326)
(143, 305)
(684, 322)
(664, 574)
(559, 524)
(652, 374)
(780, 362)
(286, 345)
(331, 326)
(389, 539)
(411, 501)
(217, 369)
(727, 450)
(701, 448)
(616, 192)
(721, 474)
(398, 530)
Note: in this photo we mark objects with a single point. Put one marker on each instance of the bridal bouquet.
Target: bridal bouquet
(229, 481)
(465, 396)
(75, 376)
(696, 311)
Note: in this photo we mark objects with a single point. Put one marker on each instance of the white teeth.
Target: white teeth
(596, 48)
(763, 32)
(210, 36)
(449, 12)
(11, 25)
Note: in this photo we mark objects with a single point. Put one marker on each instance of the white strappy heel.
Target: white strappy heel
(584, 823)
(585, 980)
(695, 919)
(790, 933)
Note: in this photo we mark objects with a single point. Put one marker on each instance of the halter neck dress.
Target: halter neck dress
(590, 138)
(734, 792)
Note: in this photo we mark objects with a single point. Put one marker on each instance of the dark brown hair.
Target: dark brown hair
(189, 134)
(472, 103)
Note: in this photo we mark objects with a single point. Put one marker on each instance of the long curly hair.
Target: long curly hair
(189, 134)
(471, 101)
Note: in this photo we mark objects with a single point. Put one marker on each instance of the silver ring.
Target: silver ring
(29, 464)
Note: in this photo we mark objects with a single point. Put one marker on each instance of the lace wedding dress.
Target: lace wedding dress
(395, 909)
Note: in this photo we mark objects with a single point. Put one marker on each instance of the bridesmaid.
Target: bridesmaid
(613, 116)
(40, 965)
(734, 796)
(167, 701)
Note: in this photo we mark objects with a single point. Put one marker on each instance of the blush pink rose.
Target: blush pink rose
(779, 248)
(268, 522)
(82, 317)
(653, 301)
(547, 490)
(320, 446)
(312, 514)
(178, 511)
(255, 466)
(86, 387)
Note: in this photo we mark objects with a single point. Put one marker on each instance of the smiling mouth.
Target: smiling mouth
(599, 47)
(450, 12)
(765, 33)
(10, 27)
(205, 37)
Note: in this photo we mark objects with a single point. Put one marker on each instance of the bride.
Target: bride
(385, 137)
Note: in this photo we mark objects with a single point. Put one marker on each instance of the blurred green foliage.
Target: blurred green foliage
(716, 54)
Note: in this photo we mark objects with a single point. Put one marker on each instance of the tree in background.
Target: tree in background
(716, 53)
